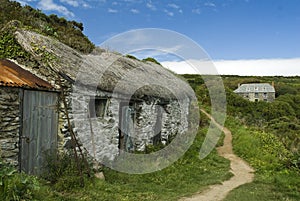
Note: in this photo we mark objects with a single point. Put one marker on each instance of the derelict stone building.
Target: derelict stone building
(113, 102)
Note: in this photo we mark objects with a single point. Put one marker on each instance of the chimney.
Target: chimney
(273, 84)
(239, 85)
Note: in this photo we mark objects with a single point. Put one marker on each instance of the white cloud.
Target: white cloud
(71, 2)
(147, 42)
(171, 14)
(132, 1)
(172, 5)
(160, 53)
(151, 6)
(25, 2)
(286, 67)
(110, 10)
(175, 7)
(86, 5)
(190, 67)
(135, 11)
(76, 3)
(259, 67)
(49, 5)
(196, 11)
(210, 4)
(128, 41)
(22, 2)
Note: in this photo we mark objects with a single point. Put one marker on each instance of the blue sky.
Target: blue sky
(231, 30)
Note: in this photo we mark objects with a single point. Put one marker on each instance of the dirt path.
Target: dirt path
(243, 173)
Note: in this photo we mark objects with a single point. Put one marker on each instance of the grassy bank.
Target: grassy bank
(275, 177)
(186, 176)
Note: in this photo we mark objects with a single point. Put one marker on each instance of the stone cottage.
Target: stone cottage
(114, 103)
(256, 92)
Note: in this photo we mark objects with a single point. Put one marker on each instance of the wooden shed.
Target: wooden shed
(28, 117)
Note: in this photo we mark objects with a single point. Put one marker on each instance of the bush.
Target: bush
(62, 171)
(131, 57)
(264, 151)
(16, 186)
(68, 182)
(151, 60)
(9, 47)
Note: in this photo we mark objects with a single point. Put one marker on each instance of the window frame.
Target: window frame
(97, 107)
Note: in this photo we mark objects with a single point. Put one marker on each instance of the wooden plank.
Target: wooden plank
(40, 125)
(127, 129)
(24, 147)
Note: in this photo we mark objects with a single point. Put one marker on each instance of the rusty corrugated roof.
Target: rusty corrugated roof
(13, 75)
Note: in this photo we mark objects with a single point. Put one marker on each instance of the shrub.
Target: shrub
(16, 186)
(68, 182)
(131, 57)
(62, 171)
(9, 47)
(151, 60)
(264, 151)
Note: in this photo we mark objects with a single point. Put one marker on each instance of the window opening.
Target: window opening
(97, 107)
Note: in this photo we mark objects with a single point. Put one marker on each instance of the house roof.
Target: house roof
(255, 87)
(14, 76)
(110, 71)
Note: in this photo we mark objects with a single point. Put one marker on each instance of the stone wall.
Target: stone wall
(100, 135)
(175, 119)
(261, 96)
(9, 124)
(271, 96)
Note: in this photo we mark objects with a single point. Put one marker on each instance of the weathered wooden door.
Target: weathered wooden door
(126, 128)
(158, 125)
(39, 129)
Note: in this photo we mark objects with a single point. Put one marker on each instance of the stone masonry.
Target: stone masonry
(9, 124)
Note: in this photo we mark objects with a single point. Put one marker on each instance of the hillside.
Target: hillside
(68, 32)
(280, 117)
(266, 135)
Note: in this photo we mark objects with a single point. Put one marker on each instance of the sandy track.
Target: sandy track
(243, 173)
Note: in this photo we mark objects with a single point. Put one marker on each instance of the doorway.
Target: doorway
(39, 129)
(126, 126)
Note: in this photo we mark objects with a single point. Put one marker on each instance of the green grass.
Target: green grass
(274, 180)
(185, 177)
(280, 186)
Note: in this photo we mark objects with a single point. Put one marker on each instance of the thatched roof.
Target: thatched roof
(107, 70)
